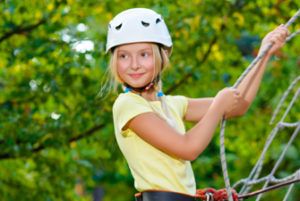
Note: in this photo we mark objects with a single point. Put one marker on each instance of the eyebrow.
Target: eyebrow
(143, 49)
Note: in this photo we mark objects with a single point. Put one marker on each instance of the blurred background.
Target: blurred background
(56, 132)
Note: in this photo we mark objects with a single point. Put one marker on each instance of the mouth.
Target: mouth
(136, 75)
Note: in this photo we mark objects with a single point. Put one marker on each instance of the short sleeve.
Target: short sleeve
(126, 107)
(180, 104)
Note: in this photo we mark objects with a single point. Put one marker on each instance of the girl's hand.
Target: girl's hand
(277, 37)
(228, 99)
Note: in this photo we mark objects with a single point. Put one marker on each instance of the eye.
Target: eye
(123, 56)
(145, 54)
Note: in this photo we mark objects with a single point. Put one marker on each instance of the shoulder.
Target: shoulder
(178, 103)
(127, 99)
(126, 107)
(177, 100)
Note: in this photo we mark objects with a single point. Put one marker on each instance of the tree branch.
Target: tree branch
(21, 30)
(87, 133)
(203, 60)
(42, 146)
(237, 6)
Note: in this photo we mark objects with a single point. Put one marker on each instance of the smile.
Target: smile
(136, 75)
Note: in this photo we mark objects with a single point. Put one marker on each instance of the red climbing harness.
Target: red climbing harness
(212, 194)
(208, 194)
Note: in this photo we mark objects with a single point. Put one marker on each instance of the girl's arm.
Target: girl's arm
(249, 86)
(197, 108)
(157, 132)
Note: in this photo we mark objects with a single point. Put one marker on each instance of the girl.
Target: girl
(149, 125)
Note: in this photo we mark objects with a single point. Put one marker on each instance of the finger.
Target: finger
(237, 97)
(235, 91)
(278, 37)
(283, 31)
(239, 94)
(283, 34)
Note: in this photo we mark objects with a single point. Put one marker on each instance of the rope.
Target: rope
(293, 35)
(291, 187)
(273, 179)
(264, 52)
(281, 156)
(288, 192)
(259, 192)
(223, 161)
(223, 124)
(287, 125)
(286, 93)
(258, 167)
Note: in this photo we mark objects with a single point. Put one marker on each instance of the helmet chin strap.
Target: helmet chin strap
(143, 88)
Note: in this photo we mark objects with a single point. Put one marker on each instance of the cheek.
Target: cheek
(122, 66)
(121, 71)
(149, 65)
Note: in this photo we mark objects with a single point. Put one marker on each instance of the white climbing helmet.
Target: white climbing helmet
(137, 25)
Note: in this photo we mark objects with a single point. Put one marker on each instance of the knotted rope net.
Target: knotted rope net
(253, 177)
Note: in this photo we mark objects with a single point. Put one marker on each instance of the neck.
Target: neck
(149, 95)
(148, 91)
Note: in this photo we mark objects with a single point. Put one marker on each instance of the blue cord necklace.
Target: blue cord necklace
(128, 89)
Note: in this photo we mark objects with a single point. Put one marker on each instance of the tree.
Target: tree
(56, 132)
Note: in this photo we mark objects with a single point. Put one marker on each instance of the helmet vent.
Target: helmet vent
(158, 20)
(145, 24)
(118, 27)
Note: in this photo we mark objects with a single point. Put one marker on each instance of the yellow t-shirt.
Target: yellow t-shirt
(151, 168)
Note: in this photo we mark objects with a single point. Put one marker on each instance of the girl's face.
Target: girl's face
(136, 64)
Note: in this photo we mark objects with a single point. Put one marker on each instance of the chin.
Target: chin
(138, 84)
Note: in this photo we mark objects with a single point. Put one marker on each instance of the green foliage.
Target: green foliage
(56, 133)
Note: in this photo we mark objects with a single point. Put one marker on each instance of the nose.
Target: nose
(135, 65)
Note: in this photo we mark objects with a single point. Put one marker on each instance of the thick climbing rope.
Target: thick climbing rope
(223, 123)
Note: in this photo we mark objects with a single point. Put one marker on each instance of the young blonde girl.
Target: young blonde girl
(149, 125)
